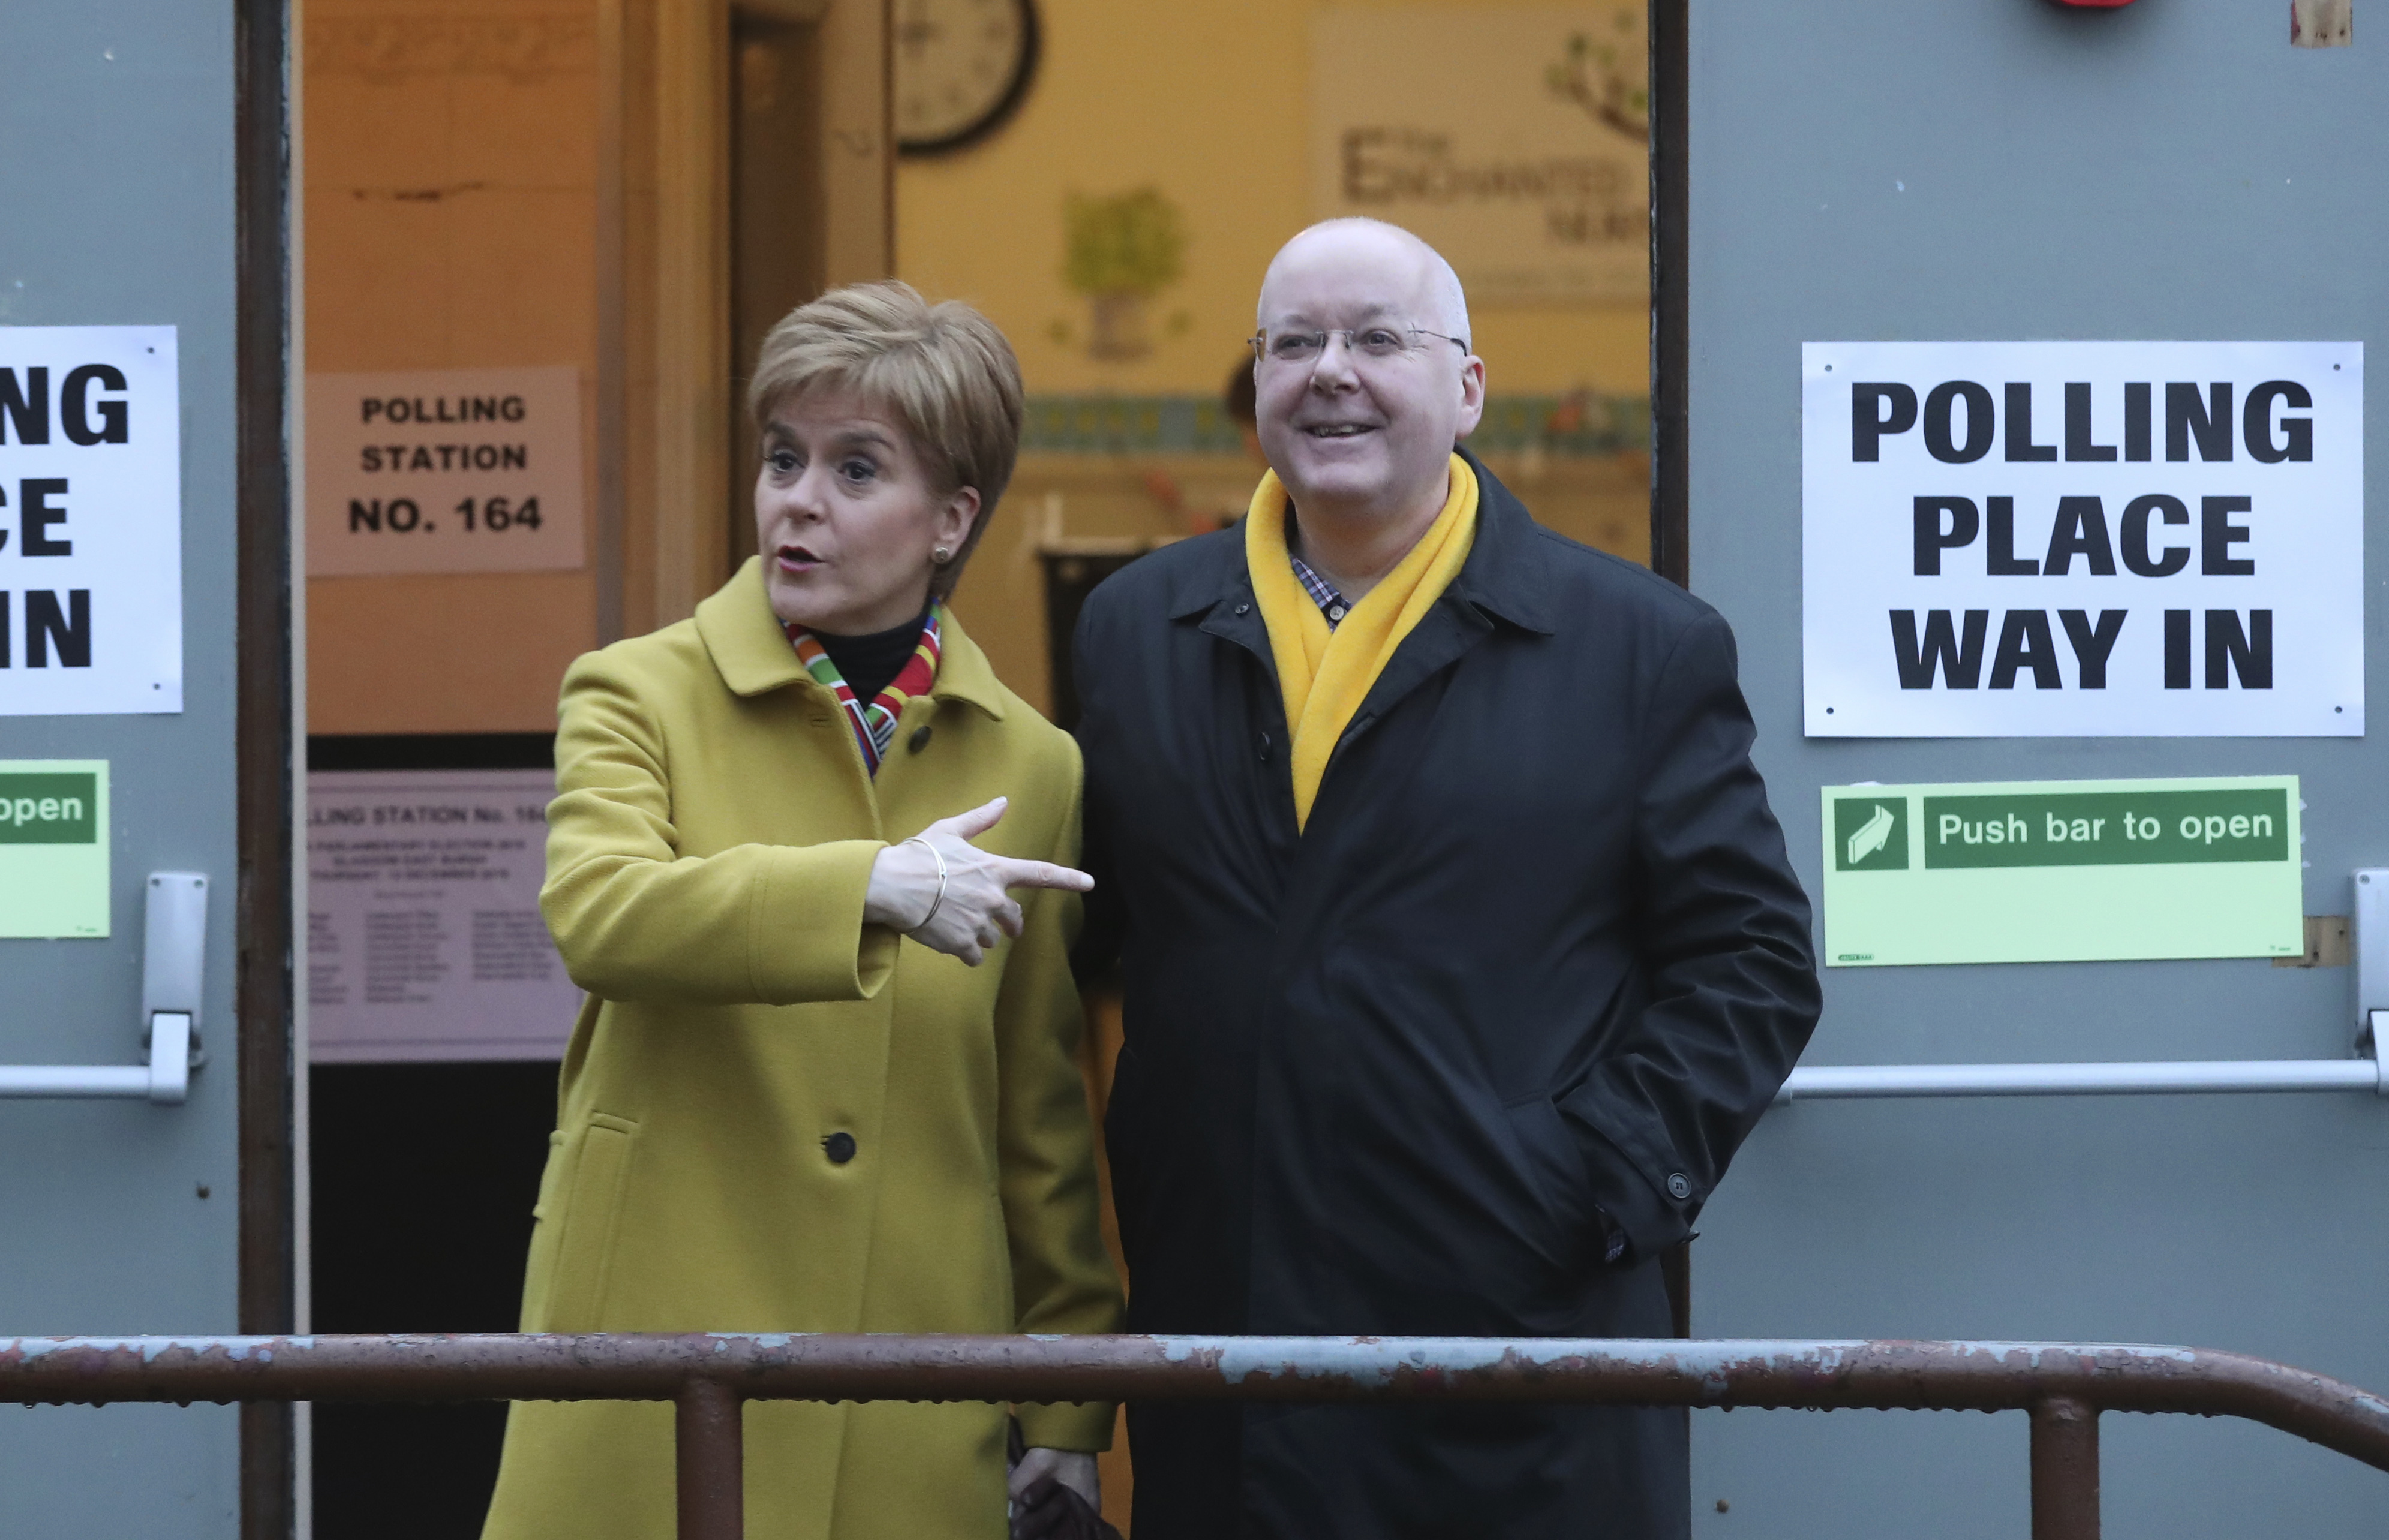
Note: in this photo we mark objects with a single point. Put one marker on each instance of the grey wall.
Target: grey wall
(116, 180)
(2170, 170)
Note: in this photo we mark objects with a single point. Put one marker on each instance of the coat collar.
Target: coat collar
(1503, 575)
(752, 654)
(1501, 579)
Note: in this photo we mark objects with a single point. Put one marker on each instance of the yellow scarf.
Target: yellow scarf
(1326, 674)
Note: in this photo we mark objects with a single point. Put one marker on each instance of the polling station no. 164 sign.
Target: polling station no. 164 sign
(91, 521)
(448, 470)
(2082, 538)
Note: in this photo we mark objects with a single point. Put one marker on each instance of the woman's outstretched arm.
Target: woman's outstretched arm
(635, 920)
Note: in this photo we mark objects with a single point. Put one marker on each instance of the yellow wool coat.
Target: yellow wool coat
(708, 852)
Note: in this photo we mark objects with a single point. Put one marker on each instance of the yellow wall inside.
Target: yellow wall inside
(450, 157)
(1206, 102)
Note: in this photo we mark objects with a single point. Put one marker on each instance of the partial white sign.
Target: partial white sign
(91, 521)
(452, 470)
(1514, 141)
(423, 935)
(2082, 538)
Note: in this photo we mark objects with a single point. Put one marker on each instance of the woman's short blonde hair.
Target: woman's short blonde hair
(943, 371)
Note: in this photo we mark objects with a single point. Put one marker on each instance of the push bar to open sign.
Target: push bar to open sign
(2139, 828)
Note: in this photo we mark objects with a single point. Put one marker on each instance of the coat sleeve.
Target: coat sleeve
(637, 920)
(1723, 942)
(1062, 1276)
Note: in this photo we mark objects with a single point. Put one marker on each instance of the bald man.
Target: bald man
(1459, 945)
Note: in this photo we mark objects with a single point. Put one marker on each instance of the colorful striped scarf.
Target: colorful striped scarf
(875, 724)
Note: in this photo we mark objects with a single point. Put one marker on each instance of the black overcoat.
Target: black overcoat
(1537, 957)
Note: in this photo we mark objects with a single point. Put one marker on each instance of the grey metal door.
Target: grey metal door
(136, 195)
(2019, 170)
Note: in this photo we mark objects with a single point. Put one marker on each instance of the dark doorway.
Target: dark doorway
(1070, 576)
(422, 1180)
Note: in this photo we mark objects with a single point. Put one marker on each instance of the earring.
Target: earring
(940, 557)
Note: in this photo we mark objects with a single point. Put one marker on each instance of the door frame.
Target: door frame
(1669, 31)
(1667, 28)
(664, 390)
(663, 393)
(263, 986)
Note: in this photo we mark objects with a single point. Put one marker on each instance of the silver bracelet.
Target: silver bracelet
(939, 857)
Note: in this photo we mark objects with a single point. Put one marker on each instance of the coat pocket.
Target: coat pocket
(1555, 1171)
(585, 1223)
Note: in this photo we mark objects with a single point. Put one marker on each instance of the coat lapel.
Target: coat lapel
(744, 638)
(1498, 583)
(964, 672)
(1222, 591)
(1221, 594)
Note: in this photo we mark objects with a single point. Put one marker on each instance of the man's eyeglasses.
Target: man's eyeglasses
(1379, 342)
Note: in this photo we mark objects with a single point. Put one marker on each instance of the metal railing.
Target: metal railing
(2063, 1386)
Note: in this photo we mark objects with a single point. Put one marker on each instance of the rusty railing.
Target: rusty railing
(2063, 1386)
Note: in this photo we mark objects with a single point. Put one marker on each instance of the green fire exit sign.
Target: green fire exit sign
(2061, 870)
(53, 847)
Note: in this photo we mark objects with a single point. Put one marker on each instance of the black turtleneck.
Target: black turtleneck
(869, 663)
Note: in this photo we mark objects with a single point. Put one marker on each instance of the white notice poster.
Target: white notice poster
(424, 937)
(91, 521)
(452, 470)
(1513, 140)
(2082, 538)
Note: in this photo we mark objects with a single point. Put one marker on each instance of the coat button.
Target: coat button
(838, 1147)
(1244, 609)
(919, 739)
(1265, 749)
(1677, 1187)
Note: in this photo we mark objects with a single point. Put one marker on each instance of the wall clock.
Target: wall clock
(962, 69)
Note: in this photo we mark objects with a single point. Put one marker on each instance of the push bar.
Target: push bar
(2369, 930)
(2158, 1078)
(2364, 1071)
(174, 948)
(165, 1080)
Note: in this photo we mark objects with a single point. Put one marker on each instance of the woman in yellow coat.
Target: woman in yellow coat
(826, 1076)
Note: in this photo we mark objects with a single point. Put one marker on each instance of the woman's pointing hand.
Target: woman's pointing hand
(969, 909)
